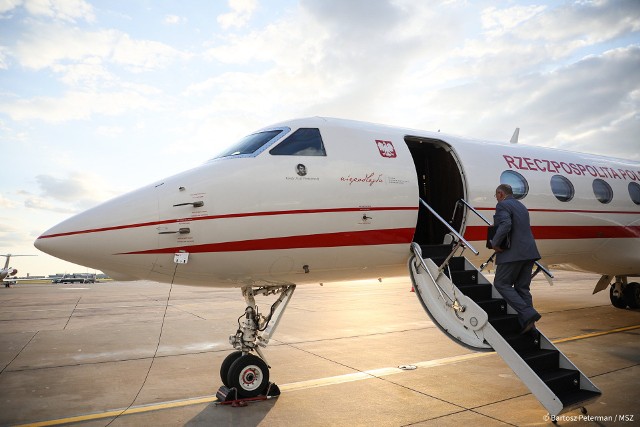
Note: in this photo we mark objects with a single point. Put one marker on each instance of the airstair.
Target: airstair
(467, 308)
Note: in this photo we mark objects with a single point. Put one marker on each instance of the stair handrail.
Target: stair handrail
(453, 302)
(453, 230)
(464, 202)
(418, 252)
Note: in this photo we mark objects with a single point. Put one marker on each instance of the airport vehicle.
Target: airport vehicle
(10, 272)
(314, 200)
(75, 278)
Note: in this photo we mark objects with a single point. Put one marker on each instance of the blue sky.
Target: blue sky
(101, 97)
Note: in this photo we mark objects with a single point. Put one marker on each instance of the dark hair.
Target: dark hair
(505, 188)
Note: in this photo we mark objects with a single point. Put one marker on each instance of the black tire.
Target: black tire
(249, 375)
(617, 301)
(631, 295)
(226, 364)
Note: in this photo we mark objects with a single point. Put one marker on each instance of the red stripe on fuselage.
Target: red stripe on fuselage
(227, 216)
(571, 211)
(563, 232)
(327, 240)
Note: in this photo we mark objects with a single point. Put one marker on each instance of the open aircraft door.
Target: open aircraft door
(441, 183)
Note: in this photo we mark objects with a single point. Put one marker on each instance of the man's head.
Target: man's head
(503, 191)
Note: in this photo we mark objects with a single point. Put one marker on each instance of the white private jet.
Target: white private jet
(9, 271)
(320, 199)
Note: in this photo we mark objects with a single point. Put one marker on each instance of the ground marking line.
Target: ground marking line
(301, 385)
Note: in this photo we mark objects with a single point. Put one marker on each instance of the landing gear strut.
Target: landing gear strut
(245, 373)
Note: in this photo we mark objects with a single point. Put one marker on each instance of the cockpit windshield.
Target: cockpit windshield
(251, 144)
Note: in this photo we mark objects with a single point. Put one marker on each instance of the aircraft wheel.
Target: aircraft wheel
(249, 374)
(631, 294)
(618, 301)
(226, 364)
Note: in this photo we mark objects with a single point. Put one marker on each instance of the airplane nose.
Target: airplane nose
(98, 237)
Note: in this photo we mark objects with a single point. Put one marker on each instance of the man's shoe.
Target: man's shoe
(529, 324)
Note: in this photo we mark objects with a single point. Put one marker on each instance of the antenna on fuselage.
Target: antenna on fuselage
(514, 137)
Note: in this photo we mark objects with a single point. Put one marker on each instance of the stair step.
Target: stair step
(541, 359)
(561, 380)
(494, 306)
(522, 343)
(436, 251)
(575, 397)
(476, 292)
(506, 324)
(465, 277)
(457, 263)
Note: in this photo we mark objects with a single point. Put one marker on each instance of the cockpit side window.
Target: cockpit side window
(250, 145)
(303, 142)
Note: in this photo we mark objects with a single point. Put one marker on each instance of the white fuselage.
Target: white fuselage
(350, 214)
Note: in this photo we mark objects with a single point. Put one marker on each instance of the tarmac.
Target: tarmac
(143, 353)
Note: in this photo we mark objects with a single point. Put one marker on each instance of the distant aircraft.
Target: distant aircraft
(9, 271)
(372, 201)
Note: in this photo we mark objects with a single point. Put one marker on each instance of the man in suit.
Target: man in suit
(514, 265)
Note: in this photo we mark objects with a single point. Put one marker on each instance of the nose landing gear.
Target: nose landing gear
(246, 375)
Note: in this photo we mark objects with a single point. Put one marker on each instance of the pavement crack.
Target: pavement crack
(188, 312)
(20, 352)
(459, 412)
(71, 315)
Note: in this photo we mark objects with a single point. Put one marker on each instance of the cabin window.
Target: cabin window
(634, 192)
(602, 191)
(251, 145)
(303, 142)
(562, 188)
(518, 183)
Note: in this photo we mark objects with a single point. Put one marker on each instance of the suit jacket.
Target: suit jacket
(512, 216)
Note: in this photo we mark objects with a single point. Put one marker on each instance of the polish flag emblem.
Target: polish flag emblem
(386, 148)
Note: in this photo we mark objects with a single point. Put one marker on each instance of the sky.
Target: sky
(98, 98)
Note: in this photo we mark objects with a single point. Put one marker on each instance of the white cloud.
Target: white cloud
(11, 237)
(4, 228)
(89, 72)
(175, 20)
(241, 12)
(401, 58)
(7, 203)
(76, 191)
(497, 22)
(8, 5)
(64, 10)
(43, 205)
(591, 105)
(3, 58)
(583, 22)
(77, 105)
(110, 130)
(47, 45)
(143, 55)
(67, 189)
